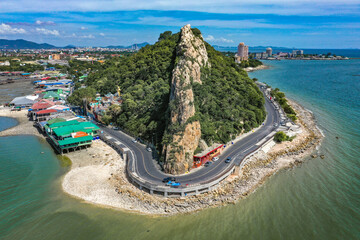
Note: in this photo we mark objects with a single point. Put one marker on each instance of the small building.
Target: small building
(41, 105)
(43, 115)
(52, 95)
(70, 135)
(207, 155)
(71, 130)
(25, 101)
(74, 143)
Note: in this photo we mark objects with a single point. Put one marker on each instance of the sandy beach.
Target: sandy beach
(24, 127)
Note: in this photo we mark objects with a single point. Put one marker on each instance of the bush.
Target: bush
(281, 136)
(280, 98)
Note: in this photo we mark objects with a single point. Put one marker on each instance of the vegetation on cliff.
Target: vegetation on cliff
(227, 102)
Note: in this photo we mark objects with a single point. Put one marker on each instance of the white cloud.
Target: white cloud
(211, 38)
(87, 36)
(102, 34)
(47, 31)
(7, 29)
(38, 22)
(74, 35)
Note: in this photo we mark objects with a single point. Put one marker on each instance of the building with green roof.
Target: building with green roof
(75, 142)
(66, 131)
(51, 94)
(70, 135)
(55, 120)
(63, 124)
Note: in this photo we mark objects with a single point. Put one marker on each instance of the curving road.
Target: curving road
(148, 170)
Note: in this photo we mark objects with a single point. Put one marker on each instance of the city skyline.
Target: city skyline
(301, 24)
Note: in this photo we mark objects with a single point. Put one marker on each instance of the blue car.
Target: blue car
(173, 184)
(228, 160)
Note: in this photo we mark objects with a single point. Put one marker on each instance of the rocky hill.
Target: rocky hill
(180, 94)
(191, 57)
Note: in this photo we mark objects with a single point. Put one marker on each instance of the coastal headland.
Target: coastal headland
(98, 173)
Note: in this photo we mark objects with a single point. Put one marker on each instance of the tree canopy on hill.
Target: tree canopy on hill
(227, 103)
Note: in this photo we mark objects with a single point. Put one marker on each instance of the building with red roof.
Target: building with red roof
(42, 104)
(43, 115)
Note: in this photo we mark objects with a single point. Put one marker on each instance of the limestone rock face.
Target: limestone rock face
(191, 56)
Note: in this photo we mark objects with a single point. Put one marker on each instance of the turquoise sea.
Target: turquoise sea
(318, 200)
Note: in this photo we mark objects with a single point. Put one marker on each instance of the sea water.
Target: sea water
(319, 199)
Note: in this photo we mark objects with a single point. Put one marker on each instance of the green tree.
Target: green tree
(280, 137)
(78, 97)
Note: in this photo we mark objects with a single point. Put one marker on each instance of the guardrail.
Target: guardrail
(185, 190)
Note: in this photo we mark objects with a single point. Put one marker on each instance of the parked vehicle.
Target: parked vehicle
(169, 179)
(175, 184)
(228, 160)
(134, 141)
(215, 159)
(207, 164)
(148, 149)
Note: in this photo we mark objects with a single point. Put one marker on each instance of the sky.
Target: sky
(282, 23)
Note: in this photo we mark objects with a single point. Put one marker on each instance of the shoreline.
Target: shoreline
(118, 193)
(23, 127)
(252, 69)
(98, 174)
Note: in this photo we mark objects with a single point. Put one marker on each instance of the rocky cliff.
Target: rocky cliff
(184, 134)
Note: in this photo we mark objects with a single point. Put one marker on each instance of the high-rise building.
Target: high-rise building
(297, 52)
(269, 51)
(243, 52)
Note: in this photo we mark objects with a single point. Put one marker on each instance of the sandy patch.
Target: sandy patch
(24, 127)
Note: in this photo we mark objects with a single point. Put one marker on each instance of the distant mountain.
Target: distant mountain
(134, 46)
(23, 44)
(69, 47)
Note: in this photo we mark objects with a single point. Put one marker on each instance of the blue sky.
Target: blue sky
(292, 23)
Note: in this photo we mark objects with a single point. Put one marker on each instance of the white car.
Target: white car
(148, 149)
(134, 141)
(215, 159)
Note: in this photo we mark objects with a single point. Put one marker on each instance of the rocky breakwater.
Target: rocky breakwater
(183, 135)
